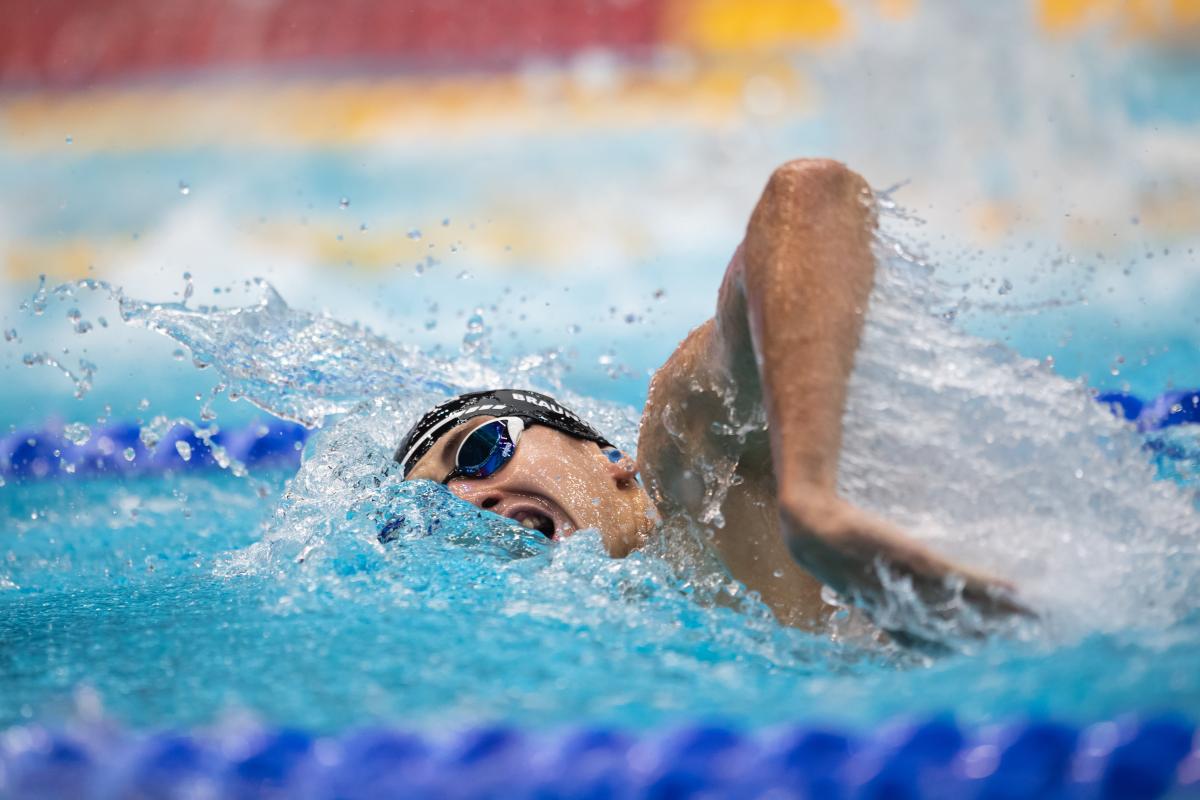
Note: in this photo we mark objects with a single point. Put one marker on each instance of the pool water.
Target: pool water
(185, 599)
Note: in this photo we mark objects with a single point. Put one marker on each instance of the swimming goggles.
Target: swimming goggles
(486, 449)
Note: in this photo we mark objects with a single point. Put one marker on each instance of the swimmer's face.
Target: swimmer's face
(555, 483)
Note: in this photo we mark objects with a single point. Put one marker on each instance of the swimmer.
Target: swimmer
(757, 390)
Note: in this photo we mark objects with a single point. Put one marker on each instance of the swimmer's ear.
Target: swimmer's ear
(622, 468)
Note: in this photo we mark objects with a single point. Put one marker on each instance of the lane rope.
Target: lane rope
(932, 758)
(123, 449)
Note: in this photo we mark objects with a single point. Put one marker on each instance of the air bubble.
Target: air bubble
(129, 453)
(344, 203)
(185, 188)
(184, 449)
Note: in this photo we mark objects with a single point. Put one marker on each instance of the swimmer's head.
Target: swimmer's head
(523, 455)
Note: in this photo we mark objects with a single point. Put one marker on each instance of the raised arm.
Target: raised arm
(783, 340)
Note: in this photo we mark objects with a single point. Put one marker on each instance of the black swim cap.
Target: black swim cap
(530, 406)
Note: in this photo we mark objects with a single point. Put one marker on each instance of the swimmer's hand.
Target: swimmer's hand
(862, 557)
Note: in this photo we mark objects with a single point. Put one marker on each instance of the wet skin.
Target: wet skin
(746, 415)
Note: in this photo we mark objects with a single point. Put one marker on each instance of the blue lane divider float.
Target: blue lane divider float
(273, 443)
(1178, 407)
(119, 449)
(937, 758)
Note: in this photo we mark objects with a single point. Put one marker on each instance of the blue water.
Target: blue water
(440, 632)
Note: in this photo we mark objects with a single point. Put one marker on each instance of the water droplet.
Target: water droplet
(10, 334)
(344, 203)
(80, 324)
(129, 453)
(414, 234)
(77, 433)
(144, 403)
(445, 221)
(185, 188)
(70, 139)
(1005, 287)
(464, 276)
(573, 328)
(476, 332)
(362, 226)
(179, 355)
(184, 449)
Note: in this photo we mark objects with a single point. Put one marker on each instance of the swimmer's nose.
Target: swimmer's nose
(486, 498)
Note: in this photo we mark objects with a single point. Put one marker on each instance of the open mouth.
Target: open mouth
(534, 520)
(534, 511)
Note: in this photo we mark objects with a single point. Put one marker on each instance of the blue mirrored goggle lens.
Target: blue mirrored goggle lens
(478, 447)
(485, 450)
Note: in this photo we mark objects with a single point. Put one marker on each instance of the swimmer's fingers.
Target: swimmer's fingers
(995, 597)
(861, 556)
(971, 603)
